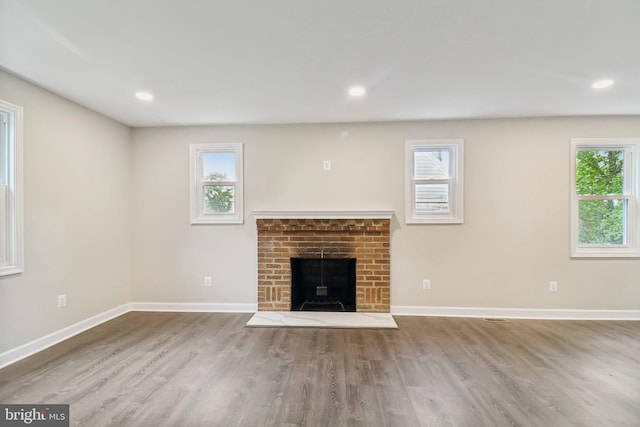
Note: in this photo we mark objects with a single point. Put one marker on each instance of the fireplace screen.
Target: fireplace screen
(323, 284)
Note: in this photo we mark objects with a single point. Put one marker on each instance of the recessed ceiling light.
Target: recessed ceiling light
(144, 96)
(357, 91)
(601, 84)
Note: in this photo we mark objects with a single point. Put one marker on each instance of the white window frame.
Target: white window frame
(197, 184)
(455, 181)
(631, 248)
(11, 216)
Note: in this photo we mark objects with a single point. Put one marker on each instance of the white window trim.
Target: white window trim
(196, 185)
(11, 216)
(456, 196)
(632, 175)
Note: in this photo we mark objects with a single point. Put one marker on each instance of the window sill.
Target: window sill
(10, 270)
(434, 220)
(607, 254)
(235, 220)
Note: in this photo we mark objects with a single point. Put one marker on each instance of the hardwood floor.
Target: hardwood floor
(207, 369)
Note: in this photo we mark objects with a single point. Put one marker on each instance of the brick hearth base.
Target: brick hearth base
(367, 240)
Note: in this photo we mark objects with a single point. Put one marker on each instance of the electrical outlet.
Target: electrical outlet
(553, 286)
(207, 281)
(62, 300)
(326, 165)
(426, 284)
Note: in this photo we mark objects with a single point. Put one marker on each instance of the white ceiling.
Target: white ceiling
(292, 61)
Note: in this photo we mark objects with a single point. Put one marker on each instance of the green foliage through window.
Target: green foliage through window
(218, 198)
(601, 173)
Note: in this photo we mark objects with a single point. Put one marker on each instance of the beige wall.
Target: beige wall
(514, 240)
(77, 219)
(107, 219)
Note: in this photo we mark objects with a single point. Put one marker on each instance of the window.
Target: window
(604, 198)
(216, 184)
(11, 249)
(434, 189)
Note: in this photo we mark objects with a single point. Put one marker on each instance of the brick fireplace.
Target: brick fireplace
(365, 237)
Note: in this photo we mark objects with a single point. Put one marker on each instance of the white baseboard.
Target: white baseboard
(194, 306)
(516, 313)
(26, 350)
(37, 345)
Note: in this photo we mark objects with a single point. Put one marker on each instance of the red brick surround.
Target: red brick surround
(367, 240)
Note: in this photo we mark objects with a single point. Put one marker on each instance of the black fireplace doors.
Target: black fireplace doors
(323, 284)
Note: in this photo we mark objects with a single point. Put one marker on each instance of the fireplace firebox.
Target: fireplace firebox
(323, 284)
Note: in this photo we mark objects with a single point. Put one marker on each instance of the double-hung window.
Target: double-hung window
(434, 182)
(605, 221)
(216, 183)
(11, 234)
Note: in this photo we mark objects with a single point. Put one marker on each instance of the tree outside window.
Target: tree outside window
(604, 202)
(216, 186)
(218, 198)
(600, 176)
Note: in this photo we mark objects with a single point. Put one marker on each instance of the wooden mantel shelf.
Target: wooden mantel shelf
(323, 214)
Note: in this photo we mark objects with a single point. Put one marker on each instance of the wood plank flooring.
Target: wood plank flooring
(207, 369)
